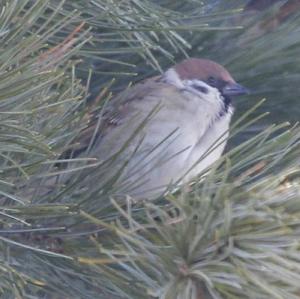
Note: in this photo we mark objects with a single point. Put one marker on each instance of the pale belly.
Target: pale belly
(175, 160)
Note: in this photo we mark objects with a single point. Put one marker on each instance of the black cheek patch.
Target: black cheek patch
(201, 88)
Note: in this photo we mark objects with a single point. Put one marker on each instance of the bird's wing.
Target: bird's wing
(119, 110)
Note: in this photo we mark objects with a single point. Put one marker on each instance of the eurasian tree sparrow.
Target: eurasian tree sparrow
(158, 132)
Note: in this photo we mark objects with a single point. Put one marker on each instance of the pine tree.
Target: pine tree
(232, 234)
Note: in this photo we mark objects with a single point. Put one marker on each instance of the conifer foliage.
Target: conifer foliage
(233, 234)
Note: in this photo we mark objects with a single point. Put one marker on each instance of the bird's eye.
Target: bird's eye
(212, 80)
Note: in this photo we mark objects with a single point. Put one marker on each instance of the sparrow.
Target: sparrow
(165, 130)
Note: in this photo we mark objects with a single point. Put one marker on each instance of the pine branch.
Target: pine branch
(232, 234)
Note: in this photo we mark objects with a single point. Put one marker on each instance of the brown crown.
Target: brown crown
(202, 69)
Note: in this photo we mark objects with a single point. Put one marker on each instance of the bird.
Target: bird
(163, 131)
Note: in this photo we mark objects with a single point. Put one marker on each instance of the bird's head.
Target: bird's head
(193, 72)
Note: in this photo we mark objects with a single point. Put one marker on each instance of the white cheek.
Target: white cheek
(172, 77)
(209, 94)
(191, 85)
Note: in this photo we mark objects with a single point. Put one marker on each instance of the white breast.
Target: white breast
(209, 148)
(196, 126)
(171, 143)
(205, 129)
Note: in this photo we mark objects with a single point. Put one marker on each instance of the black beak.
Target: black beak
(234, 89)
